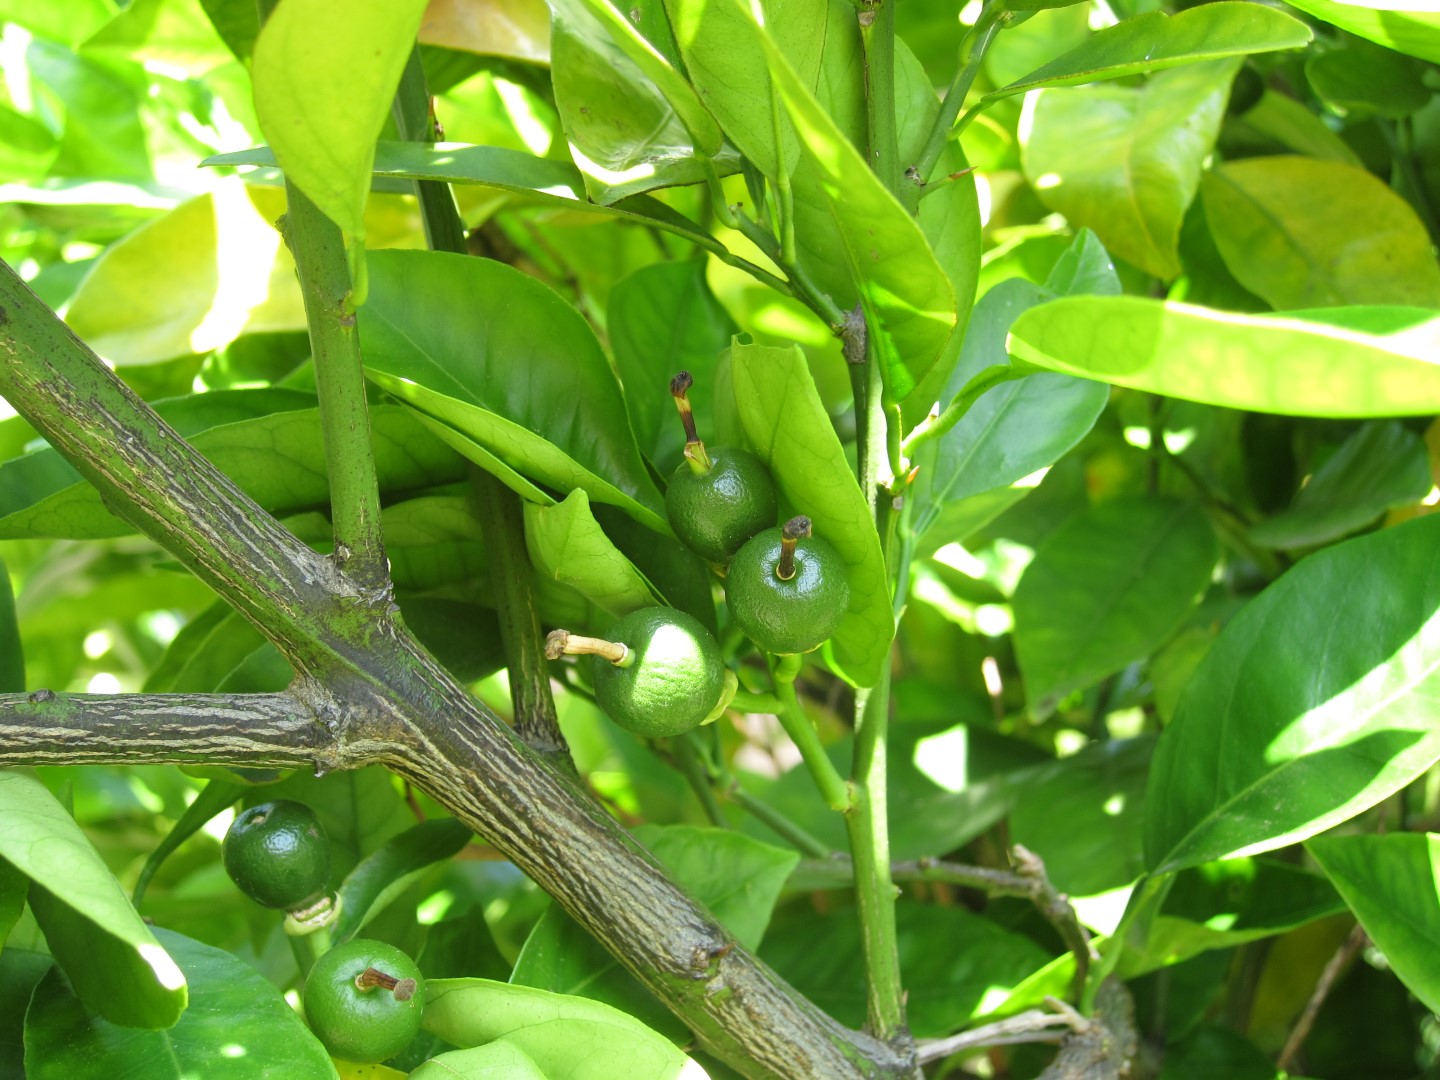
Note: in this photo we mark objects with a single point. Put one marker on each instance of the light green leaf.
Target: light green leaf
(664, 319)
(110, 956)
(323, 88)
(272, 457)
(1380, 467)
(1358, 362)
(1286, 229)
(1279, 119)
(192, 281)
(1402, 25)
(567, 545)
(1105, 589)
(1392, 883)
(1365, 79)
(1315, 703)
(499, 1060)
(69, 23)
(383, 875)
(786, 425)
(176, 33)
(446, 333)
(1126, 161)
(566, 1036)
(238, 1027)
(1155, 41)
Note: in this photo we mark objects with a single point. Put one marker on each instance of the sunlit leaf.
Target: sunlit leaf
(1397, 24)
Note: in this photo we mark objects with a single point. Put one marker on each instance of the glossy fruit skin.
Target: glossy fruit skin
(715, 513)
(791, 616)
(675, 681)
(362, 1025)
(277, 854)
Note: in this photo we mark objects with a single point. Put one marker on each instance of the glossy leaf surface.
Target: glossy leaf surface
(1126, 161)
(1312, 705)
(1392, 883)
(237, 1027)
(498, 1060)
(111, 957)
(323, 88)
(1286, 229)
(1397, 24)
(1333, 362)
(786, 425)
(1105, 589)
(568, 546)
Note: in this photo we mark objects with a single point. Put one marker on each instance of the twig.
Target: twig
(1034, 1026)
(1337, 964)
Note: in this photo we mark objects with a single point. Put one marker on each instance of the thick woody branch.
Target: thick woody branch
(274, 731)
(387, 701)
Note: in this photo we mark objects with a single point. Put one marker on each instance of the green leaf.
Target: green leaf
(238, 1026)
(1286, 229)
(632, 120)
(663, 319)
(1361, 78)
(12, 653)
(110, 956)
(446, 333)
(499, 1059)
(192, 281)
(358, 809)
(103, 133)
(1155, 41)
(820, 956)
(786, 425)
(176, 33)
(69, 23)
(567, 545)
(1397, 24)
(464, 637)
(212, 799)
(1312, 705)
(1380, 467)
(1359, 362)
(323, 88)
(272, 457)
(1013, 429)
(383, 875)
(1390, 882)
(1105, 589)
(566, 1036)
(13, 887)
(1126, 161)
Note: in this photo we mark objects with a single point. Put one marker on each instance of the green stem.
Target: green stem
(877, 45)
(976, 43)
(782, 826)
(797, 725)
(501, 516)
(699, 779)
(935, 426)
(320, 262)
(800, 286)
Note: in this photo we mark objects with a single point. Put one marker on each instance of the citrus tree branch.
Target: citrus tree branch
(381, 698)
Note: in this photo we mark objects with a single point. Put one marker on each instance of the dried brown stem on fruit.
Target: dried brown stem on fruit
(694, 449)
(563, 643)
(794, 530)
(403, 989)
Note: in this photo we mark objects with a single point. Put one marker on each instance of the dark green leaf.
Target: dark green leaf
(1363, 78)
(111, 957)
(214, 797)
(1313, 705)
(464, 637)
(1105, 589)
(390, 869)
(1212, 1050)
(663, 319)
(1362, 361)
(1380, 467)
(1286, 229)
(238, 1026)
(12, 653)
(446, 333)
(787, 426)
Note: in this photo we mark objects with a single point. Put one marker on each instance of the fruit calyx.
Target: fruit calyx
(695, 454)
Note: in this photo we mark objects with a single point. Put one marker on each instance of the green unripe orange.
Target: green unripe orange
(715, 511)
(363, 1000)
(277, 854)
(787, 606)
(672, 676)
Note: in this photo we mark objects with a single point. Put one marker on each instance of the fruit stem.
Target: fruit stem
(794, 530)
(695, 453)
(833, 788)
(563, 643)
(403, 989)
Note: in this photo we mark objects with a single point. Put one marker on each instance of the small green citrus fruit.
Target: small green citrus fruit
(790, 612)
(714, 512)
(277, 854)
(671, 679)
(363, 1000)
